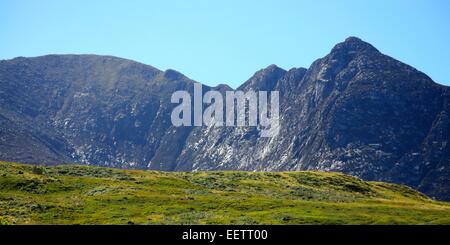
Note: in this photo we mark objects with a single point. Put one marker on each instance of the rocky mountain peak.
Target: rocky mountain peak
(264, 79)
(173, 74)
(223, 87)
(354, 45)
(349, 57)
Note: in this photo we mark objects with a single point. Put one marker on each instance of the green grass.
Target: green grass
(91, 195)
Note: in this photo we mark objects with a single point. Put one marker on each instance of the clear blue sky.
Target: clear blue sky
(227, 41)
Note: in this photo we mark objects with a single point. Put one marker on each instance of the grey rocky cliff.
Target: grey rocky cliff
(355, 110)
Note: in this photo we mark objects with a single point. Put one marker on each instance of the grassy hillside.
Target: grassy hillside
(93, 195)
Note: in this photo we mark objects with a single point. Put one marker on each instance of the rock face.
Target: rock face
(356, 111)
(89, 109)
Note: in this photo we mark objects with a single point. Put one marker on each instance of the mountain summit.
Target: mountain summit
(354, 44)
(355, 110)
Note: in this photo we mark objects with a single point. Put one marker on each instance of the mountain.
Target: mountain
(70, 194)
(355, 111)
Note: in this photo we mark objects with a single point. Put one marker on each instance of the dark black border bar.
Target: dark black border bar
(174, 233)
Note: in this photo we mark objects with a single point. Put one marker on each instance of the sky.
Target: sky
(216, 42)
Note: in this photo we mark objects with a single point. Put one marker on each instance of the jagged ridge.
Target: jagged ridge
(355, 110)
